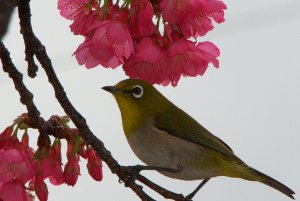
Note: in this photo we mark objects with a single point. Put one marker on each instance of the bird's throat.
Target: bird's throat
(132, 119)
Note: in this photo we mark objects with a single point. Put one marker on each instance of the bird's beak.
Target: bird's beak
(110, 89)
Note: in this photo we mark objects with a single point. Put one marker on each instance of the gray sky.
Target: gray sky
(251, 101)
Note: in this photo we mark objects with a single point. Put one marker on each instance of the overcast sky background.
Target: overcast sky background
(252, 101)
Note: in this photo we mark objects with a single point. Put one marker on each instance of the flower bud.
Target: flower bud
(94, 165)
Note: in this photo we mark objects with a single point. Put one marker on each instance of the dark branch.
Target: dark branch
(25, 24)
(26, 96)
(162, 191)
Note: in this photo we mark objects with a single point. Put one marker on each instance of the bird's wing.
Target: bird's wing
(180, 124)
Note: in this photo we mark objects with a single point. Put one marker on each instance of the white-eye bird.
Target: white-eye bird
(164, 136)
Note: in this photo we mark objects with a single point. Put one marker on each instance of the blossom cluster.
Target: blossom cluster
(154, 40)
(23, 170)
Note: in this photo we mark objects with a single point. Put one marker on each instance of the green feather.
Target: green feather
(176, 122)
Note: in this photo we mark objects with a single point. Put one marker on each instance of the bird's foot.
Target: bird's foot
(135, 170)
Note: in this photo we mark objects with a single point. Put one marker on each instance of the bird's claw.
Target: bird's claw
(134, 171)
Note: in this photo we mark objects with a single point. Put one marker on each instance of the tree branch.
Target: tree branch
(162, 191)
(25, 28)
(26, 96)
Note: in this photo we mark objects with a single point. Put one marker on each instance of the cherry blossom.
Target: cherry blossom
(188, 59)
(199, 22)
(141, 14)
(159, 52)
(148, 63)
(70, 9)
(109, 46)
(13, 191)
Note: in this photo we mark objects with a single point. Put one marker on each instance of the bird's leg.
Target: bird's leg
(192, 194)
(136, 169)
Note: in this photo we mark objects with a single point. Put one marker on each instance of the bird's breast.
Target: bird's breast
(160, 149)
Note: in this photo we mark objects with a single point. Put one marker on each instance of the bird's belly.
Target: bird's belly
(160, 149)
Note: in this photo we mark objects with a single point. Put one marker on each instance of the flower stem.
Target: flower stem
(104, 9)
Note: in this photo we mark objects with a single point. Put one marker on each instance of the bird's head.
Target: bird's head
(138, 102)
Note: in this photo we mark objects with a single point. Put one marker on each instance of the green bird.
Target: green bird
(169, 140)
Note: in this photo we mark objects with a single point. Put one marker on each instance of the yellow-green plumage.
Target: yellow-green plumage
(163, 135)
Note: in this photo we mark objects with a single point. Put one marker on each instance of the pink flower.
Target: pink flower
(183, 57)
(149, 63)
(70, 9)
(127, 35)
(194, 17)
(174, 11)
(40, 187)
(211, 52)
(141, 14)
(83, 22)
(72, 170)
(15, 164)
(94, 165)
(81, 12)
(109, 45)
(48, 163)
(199, 22)
(57, 176)
(84, 56)
(13, 190)
(215, 10)
(48, 167)
(188, 59)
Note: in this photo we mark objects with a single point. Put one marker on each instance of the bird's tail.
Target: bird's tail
(248, 173)
(265, 179)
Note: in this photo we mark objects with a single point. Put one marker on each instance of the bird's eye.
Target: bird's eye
(137, 91)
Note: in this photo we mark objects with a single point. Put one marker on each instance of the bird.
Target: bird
(170, 141)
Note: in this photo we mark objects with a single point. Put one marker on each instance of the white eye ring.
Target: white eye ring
(137, 91)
